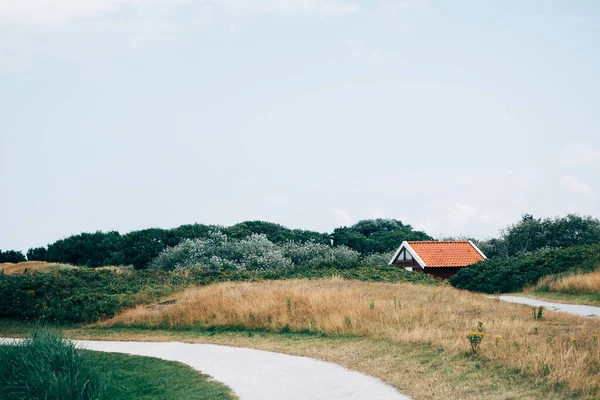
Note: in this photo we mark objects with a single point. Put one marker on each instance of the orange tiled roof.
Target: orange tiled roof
(446, 253)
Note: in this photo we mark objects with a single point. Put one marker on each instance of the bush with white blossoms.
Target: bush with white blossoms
(256, 252)
(311, 254)
(218, 253)
(210, 252)
(379, 258)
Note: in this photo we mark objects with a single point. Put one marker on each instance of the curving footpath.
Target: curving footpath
(260, 375)
(577, 309)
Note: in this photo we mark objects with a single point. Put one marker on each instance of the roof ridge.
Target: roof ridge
(438, 241)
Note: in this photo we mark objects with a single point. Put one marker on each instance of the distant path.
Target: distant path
(581, 310)
(260, 375)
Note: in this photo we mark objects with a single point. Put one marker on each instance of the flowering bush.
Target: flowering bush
(379, 258)
(218, 253)
(312, 254)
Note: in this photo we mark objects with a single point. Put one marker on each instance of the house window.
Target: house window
(401, 255)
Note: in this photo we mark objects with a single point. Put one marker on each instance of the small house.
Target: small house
(441, 259)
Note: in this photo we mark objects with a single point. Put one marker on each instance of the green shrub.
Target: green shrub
(532, 234)
(512, 274)
(47, 367)
(256, 252)
(376, 235)
(11, 256)
(82, 295)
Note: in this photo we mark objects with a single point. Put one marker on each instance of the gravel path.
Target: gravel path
(584, 311)
(261, 375)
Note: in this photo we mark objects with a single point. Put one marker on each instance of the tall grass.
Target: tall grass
(579, 283)
(45, 366)
(560, 348)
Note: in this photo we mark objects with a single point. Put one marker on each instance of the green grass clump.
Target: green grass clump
(147, 378)
(47, 367)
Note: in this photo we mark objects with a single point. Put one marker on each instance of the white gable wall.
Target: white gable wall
(412, 252)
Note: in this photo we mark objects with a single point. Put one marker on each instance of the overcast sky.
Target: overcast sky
(454, 116)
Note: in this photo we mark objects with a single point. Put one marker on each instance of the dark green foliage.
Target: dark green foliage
(81, 295)
(274, 232)
(194, 231)
(376, 235)
(532, 234)
(512, 274)
(88, 249)
(140, 247)
(46, 367)
(37, 254)
(11, 256)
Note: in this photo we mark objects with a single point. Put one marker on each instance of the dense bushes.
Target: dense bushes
(274, 232)
(81, 295)
(217, 252)
(89, 249)
(515, 273)
(46, 367)
(376, 235)
(11, 256)
(139, 248)
(37, 254)
(532, 234)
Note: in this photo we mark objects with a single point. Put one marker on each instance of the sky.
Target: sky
(454, 116)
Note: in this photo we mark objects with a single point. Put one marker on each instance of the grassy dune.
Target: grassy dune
(43, 266)
(559, 348)
(32, 266)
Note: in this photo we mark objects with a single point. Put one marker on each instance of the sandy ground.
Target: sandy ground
(260, 375)
(581, 310)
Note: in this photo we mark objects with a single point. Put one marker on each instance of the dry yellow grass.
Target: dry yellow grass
(32, 266)
(559, 348)
(43, 266)
(577, 284)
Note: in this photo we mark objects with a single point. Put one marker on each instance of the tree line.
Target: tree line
(139, 248)
(531, 234)
(376, 236)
